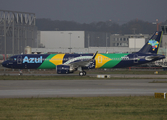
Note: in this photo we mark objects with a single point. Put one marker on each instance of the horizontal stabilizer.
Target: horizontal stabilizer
(149, 58)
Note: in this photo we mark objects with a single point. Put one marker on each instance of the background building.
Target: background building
(86, 42)
(17, 30)
(164, 41)
(61, 39)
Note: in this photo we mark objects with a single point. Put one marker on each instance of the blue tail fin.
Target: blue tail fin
(152, 46)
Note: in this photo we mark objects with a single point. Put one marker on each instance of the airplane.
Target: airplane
(68, 63)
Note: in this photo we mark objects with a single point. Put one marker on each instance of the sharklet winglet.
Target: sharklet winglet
(94, 55)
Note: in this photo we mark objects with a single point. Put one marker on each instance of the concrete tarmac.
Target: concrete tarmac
(80, 88)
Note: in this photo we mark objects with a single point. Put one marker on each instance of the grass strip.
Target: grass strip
(84, 108)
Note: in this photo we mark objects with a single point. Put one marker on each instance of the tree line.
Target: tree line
(134, 26)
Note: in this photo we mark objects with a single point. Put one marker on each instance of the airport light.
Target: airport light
(106, 43)
(134, 30)
(5, 37)
(88, 42)
(70, 42)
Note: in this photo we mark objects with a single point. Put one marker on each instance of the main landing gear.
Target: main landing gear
(82, 73)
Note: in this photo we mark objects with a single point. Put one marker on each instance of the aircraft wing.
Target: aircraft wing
(83, 63)
(80, 64)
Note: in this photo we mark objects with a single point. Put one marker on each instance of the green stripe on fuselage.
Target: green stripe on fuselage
(116, 58)
(47, 64)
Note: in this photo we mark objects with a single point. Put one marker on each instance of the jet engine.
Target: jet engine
(64, 69)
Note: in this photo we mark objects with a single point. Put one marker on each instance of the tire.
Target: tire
(82, 73)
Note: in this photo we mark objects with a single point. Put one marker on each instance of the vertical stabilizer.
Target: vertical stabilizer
(152, 46)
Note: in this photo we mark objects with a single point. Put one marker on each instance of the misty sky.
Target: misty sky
(87, 11)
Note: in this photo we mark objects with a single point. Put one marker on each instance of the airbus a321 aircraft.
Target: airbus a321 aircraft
(68, 63)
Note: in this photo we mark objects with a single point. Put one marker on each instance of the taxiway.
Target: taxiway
(80, 88)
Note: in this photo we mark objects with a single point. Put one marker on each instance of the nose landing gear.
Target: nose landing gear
(20, 72)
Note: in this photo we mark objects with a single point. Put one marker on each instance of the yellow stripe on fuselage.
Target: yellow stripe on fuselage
(57, 59)
(101, 60)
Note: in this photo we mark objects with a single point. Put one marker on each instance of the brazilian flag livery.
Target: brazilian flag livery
(101, 60)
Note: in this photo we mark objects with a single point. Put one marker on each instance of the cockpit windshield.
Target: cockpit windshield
(10, 59)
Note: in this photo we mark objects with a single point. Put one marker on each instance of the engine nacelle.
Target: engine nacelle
(63, 69)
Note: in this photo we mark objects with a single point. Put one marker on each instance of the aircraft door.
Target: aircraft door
(135, 58)
(100, 59)
(98, 62)
(19, 59)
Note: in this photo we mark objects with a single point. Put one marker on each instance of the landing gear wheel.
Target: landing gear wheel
(20, 72)
(82, 73)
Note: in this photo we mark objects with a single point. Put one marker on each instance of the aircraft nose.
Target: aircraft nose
(4, 64)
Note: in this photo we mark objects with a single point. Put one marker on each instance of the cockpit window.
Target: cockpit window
(10, 59)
